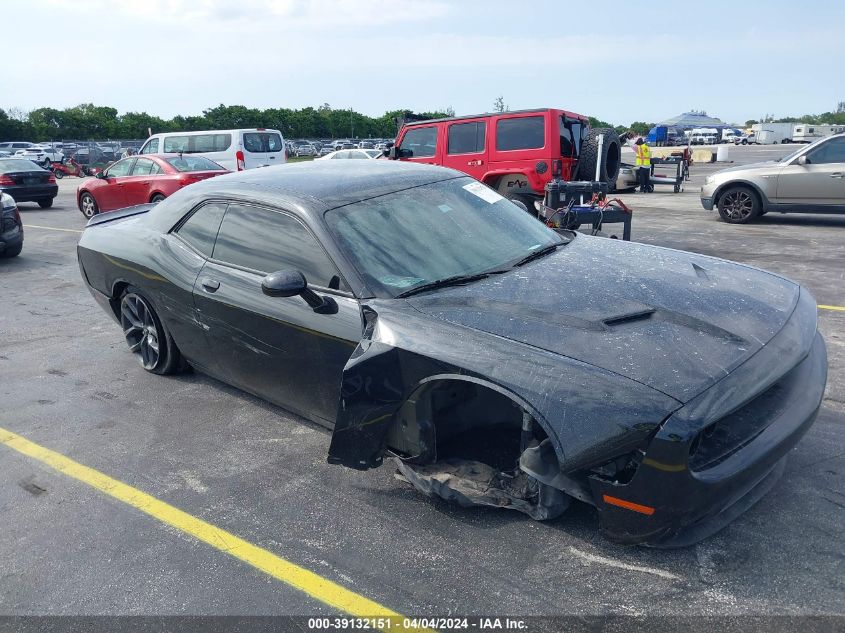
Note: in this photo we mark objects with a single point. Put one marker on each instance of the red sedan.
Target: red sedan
(142, 179)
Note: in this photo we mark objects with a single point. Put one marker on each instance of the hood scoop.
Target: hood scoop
(639, 315)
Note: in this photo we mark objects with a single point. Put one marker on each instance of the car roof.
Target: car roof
(490, 114)
(316, 186)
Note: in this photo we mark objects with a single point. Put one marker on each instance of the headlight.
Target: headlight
(709, 180)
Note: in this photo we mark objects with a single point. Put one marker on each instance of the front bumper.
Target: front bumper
(707, 203)
(718, 454)
(688, 505)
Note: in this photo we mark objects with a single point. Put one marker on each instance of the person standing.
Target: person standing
(643, 163)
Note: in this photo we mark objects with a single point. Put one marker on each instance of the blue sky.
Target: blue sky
(618, 61)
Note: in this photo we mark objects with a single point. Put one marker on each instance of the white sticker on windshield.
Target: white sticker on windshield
(485, 193)
(445, 208)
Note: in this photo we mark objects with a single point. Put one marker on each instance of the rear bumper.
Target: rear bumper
(31, 193)
(677, 503)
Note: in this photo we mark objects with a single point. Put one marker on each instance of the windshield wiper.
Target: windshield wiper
(538, 253)
(454, 280)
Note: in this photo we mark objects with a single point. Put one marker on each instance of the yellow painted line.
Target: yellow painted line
(50, 228)
(314, 585)
(837, 308)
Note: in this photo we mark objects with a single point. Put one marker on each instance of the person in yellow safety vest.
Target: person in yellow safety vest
(643, 164)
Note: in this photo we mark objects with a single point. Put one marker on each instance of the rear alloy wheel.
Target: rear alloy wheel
(59, 174)
(145, 334)
(157, 198)
(88, 205)
(739, 205)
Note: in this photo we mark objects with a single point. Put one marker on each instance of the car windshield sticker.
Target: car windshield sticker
(485, 193)
(445, 208)
(400, 282)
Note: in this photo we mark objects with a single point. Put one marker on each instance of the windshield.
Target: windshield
(413, 237)
(799, 151)
(17, 164)
(194, 163)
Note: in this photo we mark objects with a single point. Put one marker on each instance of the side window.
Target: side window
(175, 144)
(155, 169)
(522, 133)
(832, 151)
(357, 153)
(151, 147)
(467, 138)
(421, 141)
(142, 167)
(340, 154)
(268, 241)
(200, 229)
(120, 168)
(211, 142)
(257, 142)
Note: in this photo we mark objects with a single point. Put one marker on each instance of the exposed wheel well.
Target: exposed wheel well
(460, 419)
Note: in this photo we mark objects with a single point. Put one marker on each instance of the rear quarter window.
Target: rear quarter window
(521, 133)
(201, 227)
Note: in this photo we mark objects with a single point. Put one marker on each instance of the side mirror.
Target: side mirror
(101, 175)
(803, 160)
(289, 283)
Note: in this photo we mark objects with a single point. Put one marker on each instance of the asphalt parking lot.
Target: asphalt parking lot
(68, 383)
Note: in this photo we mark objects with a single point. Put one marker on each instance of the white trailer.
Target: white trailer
(807, 132)
(771, 133)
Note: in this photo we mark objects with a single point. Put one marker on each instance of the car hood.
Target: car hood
(766, 164)
(675, 321)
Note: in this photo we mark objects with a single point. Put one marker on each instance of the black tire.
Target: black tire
(611, 156)
(523, 201)
(45, 204)
(157, 198)
(739, 205)
(677, 188)
(59, 174)
(146, 335)
(745, 141)
(88, 205)
(12, 252)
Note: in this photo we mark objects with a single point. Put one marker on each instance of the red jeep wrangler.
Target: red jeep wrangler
(516, 153)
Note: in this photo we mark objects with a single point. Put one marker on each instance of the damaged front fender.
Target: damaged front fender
(588, 413)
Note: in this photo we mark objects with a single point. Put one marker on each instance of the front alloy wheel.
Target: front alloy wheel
(141, 330)
(88, 205)
(738, 205)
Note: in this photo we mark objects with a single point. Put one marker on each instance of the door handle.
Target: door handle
(146, 182)
(211, 285)
(836, 174)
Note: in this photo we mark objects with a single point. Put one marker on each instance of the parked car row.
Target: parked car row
(318, 148)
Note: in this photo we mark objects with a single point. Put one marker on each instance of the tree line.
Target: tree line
(90, 122)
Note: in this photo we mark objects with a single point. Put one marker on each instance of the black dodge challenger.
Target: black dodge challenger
(421, 316)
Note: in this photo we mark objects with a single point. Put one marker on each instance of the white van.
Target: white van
(235, 150)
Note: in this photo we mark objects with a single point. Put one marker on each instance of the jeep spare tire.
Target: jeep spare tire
(611, 156)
